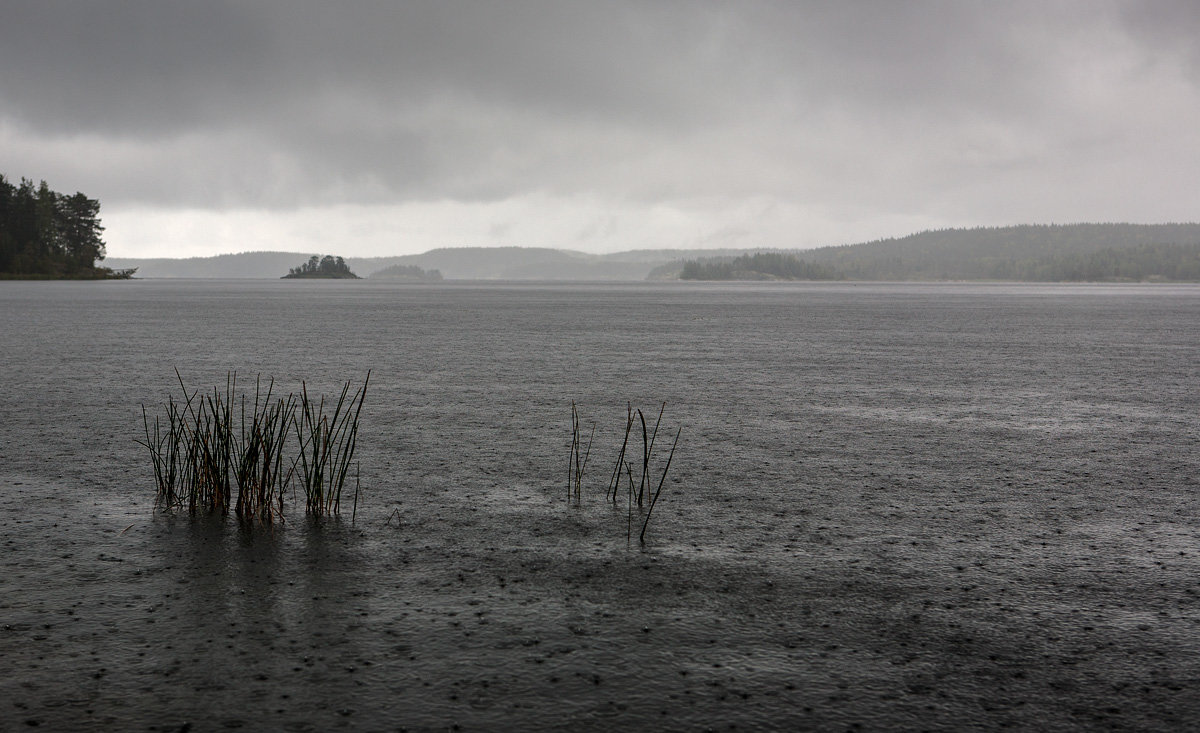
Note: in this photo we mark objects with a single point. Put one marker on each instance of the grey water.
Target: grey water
(462, 372)
(992, 458)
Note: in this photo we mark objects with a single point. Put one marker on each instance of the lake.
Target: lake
(892, 506)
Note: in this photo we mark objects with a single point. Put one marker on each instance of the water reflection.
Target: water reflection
(261, 612)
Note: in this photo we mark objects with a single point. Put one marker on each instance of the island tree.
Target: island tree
(46, 234)
(322, 267)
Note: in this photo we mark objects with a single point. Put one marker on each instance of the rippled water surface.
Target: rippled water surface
(908, 506)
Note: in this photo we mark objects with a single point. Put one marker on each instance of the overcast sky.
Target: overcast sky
(377, 128)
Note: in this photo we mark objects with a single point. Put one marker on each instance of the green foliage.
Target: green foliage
(322, 267)
(757, 266)
(46, 234)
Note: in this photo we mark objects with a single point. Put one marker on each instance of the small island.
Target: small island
(328, 267)
(408, 273)
(46, 235)
(758, 266)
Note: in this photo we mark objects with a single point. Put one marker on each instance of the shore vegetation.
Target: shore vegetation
(47, 235)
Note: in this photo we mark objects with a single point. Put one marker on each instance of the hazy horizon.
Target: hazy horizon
(378, 130)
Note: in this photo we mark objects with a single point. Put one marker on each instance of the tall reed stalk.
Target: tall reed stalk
(663, 478)
(327, 443)
(614, 482)
(641, 491)
(647, 451)
(577, 464)
(192, 450)
(165, 442)
(260, 461)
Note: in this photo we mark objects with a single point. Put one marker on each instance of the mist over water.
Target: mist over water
(1009, 464)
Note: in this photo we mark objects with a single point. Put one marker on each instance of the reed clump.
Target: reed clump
(641, 490)
(327, 442)
(220, 450)
(261, 468)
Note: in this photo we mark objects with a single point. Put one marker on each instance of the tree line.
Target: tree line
(1051, 252)
(757, 266)
(1145, 262)
(1037, 253)
(47, 234)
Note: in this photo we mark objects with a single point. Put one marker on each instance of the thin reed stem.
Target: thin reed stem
(614, 482)
(654, 500)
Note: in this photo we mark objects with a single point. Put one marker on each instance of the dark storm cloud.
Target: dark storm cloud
(412, 96)
(951, 109)
(127, 68)
(152, 66)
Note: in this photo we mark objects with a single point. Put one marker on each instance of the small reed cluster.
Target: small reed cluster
(577, 464)
(640, 491)
(207, 445)
(327, 445)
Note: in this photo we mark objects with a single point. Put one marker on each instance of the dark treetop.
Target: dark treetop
(46, 234)
(324, 267)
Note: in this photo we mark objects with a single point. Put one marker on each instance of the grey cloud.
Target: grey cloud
(1168, 30)
(297, 103)
(127, 68)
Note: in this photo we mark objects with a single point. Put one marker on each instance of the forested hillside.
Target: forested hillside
(1055, 253)
(1033, 252)
(1145, 262)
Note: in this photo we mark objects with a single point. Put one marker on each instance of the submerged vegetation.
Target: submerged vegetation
(328, 267)
(48, 235)
(206, 445)
(640, 491)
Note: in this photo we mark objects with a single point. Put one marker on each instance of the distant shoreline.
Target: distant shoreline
(1026, 253)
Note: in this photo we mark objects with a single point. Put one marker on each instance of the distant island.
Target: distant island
(46, 235)
(410, 273)
(757, 266)
(327, 267)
